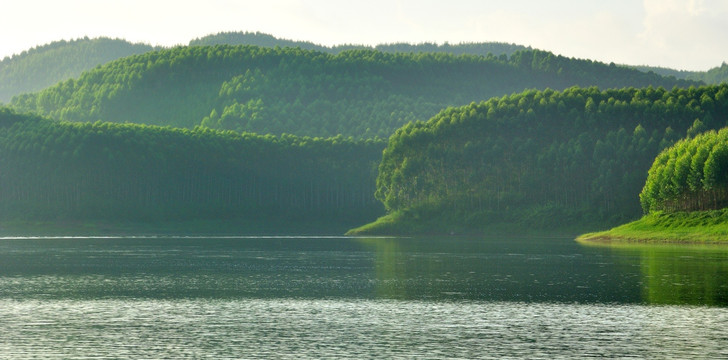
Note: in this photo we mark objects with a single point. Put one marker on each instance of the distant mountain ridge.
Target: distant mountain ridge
(46, 65)
(716, 75)
(266, 40)
(359, 93)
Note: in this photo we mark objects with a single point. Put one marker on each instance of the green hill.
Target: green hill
(538, 159)
(663, 71)
(46, 65)
(255, 39)
(43, 66)
(266, 40)
(360, 93)
(61, 171)
(716, 75)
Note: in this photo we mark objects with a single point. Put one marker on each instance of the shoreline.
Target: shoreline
(605, 240)
(193, 227)
(689, 228)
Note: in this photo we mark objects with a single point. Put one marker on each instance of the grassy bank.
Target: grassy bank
(681, 227)
(425, 223)
(433, 221)
(397, 223)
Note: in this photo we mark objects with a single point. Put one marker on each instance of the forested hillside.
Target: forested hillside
(46, 65)
(539, 158)
(360, 93)
(258, 39)
(662, 71)
(265, 40)
(103, 171)
(716, 75)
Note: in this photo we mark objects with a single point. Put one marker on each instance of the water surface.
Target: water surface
(310, 297)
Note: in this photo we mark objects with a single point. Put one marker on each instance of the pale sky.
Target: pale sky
(681, 34)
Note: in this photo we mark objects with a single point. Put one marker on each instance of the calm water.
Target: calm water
(218, 298)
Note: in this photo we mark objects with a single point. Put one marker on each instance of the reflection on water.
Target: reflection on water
(276, 297)
(499, 269)
(446, 268)
(680, 274)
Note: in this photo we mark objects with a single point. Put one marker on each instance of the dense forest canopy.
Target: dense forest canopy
(663, 71)
(43, 66)
(716, 75)
(46, 65)
(692, 175)
(255, 39)
(538, 157)
(541, 158)
(360, 93)
(266, 40)
(104, 171)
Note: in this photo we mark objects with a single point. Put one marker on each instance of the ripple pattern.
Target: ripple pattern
(354, 329)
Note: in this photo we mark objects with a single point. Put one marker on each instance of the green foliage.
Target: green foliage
(716, 75)
(47, 65)
(360, 93)
(253, 38)
(576, 156)
(668, 72)
(266, 40)
(105, 171)
(691, 175)
(709, 226)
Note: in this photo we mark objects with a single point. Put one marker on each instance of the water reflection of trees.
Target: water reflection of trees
(681, 274)
(392, 268)
(418, 270)
(491, 269)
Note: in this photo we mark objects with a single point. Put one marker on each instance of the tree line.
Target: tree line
(359, 93)
(691, 175)
(266, 40)
(61, 170)
(716, 75)
(543, 158)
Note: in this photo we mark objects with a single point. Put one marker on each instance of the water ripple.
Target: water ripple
(356, 329)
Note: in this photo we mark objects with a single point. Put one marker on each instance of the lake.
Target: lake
(342, 297)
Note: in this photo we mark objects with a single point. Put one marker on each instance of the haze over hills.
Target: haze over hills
(43, 66)
(716, 75)
(359, 93)
(265, 40)
(46, 65)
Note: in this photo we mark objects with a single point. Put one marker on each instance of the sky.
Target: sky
(679, 34)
